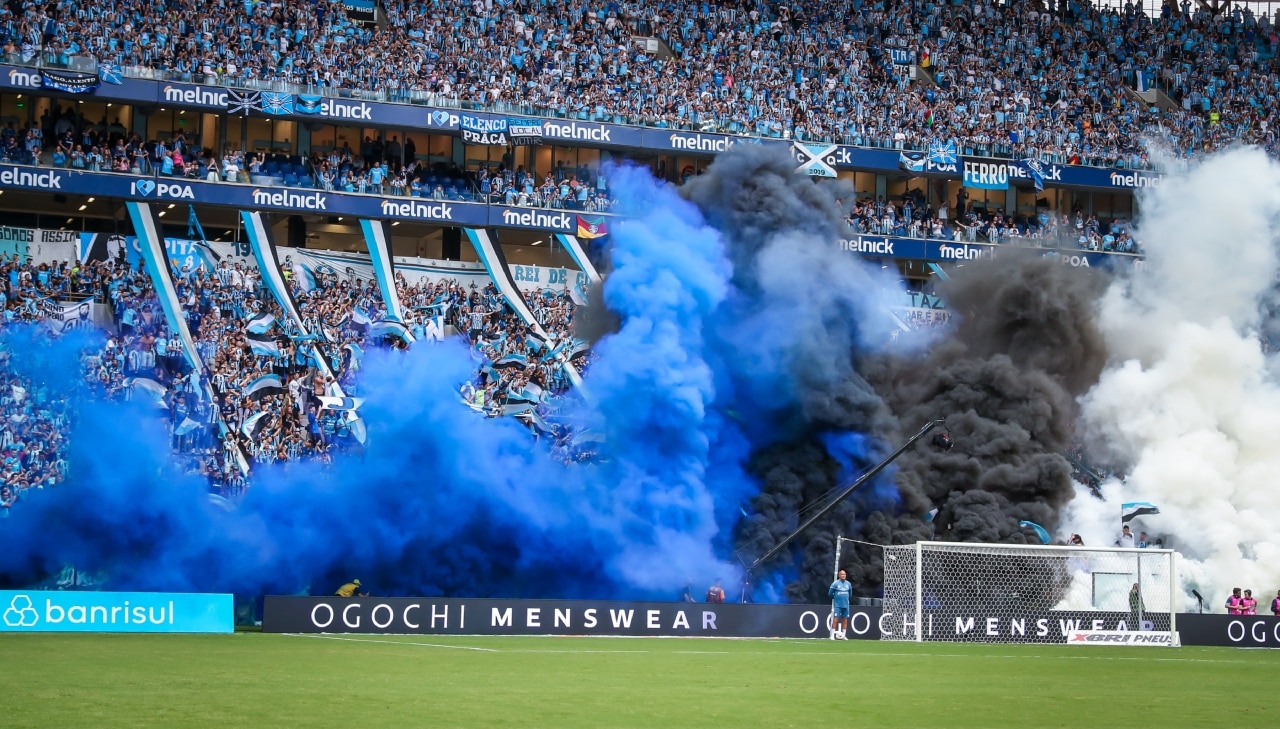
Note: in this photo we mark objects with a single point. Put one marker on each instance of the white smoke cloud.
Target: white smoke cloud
(1187, 400)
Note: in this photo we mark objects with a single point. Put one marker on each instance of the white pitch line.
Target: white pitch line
(393, 642)
(769, 653)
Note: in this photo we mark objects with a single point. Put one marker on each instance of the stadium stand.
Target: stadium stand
(773, 70)
(1066, 95)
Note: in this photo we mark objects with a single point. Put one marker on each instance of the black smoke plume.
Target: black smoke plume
(1025, 346)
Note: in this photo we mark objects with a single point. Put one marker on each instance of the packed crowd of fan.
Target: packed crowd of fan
(909, 216)
(1010, 79)
(515, 355)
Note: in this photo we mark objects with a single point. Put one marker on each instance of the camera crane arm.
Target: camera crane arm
(844, 492)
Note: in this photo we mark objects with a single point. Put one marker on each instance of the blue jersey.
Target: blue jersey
(840, 592)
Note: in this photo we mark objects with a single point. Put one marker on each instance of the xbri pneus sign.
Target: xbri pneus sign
(1120, 637)
(116, 612)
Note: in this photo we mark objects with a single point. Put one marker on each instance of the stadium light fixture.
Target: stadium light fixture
(536, 242)
(82, 207)
(91, 199)
(162, 212)
(172, 206)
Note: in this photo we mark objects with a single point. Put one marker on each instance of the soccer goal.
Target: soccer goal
(1004, 593)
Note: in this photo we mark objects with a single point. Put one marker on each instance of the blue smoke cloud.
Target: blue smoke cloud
(445, 502)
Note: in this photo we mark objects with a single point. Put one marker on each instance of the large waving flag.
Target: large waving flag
(1134, 509)
(514, 359)
(1039, 530)
(390, 328)
(531, 393)
(263, 386)
(150, 389)
(340, 404)
(264, 346)
(186, 426)
(254, 424)
(261, 323)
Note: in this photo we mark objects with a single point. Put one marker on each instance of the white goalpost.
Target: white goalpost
(1006, 593)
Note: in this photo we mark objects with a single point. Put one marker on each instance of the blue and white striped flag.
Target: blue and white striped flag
(261, 323)
(1134, 509)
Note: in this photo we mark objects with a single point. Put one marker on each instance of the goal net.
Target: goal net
(1002, 593)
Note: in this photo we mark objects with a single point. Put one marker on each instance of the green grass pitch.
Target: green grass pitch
(257, 680)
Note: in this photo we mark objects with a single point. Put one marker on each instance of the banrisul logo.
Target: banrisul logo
(116, 612)
(21, 613)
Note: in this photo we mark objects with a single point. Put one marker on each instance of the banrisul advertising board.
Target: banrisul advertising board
(115, 612)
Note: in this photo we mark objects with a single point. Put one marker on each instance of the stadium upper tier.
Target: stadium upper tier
(1014, 81)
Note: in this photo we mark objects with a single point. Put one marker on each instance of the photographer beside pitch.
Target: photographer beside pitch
(840, 591)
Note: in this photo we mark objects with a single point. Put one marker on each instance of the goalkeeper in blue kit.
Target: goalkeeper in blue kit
(840, 592)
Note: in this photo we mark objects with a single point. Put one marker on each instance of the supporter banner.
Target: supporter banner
(307, 103)
(351, 266)
(181, 253)
(361, 11)
(525, 132)
(480, 130)
(33, 245)
(900, 56)
(69, 82)
(276, 103)
(533, 278)
(116, 612)
(592, 226)
(985, 175)
(111, 73)
(816, 160)
(919, 317)
(457, 616)
(62, 317)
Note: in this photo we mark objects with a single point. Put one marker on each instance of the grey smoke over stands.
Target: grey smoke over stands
(803, 308)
